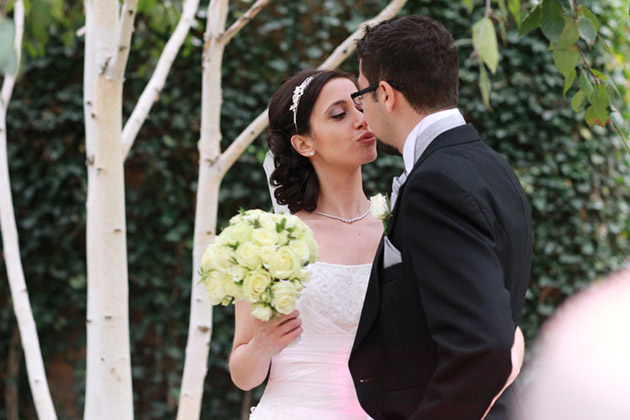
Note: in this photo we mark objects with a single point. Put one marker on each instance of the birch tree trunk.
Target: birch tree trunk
(212, 168)
(200, 327)
(15, 272)
(108, 382)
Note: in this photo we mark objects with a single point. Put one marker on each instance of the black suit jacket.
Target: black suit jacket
(436, 330)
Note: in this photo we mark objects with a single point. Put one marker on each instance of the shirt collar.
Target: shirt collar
(410, 150)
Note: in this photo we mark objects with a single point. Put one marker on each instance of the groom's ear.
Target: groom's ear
(389, 96)
(302, 145)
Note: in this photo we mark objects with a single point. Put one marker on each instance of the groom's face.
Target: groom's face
(374, 116)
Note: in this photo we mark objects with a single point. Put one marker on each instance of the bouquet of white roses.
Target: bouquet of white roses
(261, 258)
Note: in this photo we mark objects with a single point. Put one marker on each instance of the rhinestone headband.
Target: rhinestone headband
(297, 95)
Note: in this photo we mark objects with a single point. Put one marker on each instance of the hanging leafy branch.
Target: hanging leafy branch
(570, 31)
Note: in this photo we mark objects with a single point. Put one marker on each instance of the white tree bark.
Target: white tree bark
(212, 169)
(200, 327)
(108, 382)
(154, 87)
(15, 272)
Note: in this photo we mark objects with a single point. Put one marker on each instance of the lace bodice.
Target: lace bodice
(311, 379)
(336, 292)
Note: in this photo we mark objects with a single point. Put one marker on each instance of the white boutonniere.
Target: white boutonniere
(380, 208)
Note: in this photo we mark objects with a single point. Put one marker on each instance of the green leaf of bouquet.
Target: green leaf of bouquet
(484, 85)
(569, 36)
(485, 42)
(552, 19)
(585, 85)
(587, 30)
(587, 13)
(515, 8)
(577, 103)
(568, 82)
(469, 5)
(531, 21)
(566, 60)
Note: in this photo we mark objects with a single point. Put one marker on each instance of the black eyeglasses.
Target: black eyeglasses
(357, 97)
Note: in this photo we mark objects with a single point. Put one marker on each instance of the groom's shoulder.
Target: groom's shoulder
(466, 164)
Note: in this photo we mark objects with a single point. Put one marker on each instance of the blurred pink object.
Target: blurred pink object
(581, 364)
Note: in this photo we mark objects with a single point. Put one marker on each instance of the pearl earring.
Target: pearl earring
(312, 153)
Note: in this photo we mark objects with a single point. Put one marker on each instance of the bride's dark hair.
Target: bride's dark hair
(294, 176)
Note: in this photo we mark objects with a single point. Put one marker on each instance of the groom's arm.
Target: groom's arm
(461, 285)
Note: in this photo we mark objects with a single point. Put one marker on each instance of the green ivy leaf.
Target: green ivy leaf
(586, 12)
(568, 82)
(577, 103)
(600, 103)
(587, 30)
(485, 42)
(503, 9)
(552, 19)
(591, 117)
(515, 8)
(569, 36)
(585, 85)
(531, 21)
(566, 60)
(469, 5)
(601, 76)
(484, 85)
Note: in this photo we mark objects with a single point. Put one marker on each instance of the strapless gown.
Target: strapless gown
(310, 379)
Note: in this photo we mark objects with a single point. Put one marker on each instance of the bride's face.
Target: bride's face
(339, 133)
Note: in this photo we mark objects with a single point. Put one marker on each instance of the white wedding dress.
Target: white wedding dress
(311, 380)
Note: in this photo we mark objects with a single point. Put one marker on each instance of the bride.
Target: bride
(319, 141)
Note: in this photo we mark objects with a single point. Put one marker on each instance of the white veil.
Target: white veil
(269, 166)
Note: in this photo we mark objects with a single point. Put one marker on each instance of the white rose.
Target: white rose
(265, 237)
(215, 286)
(304, 276)
(234, 290)
(262, 311)
(255, 284)
(379, 207)
(237, 273)
(217, 257)
(298, 285)
(268, 220)
(285, 264)
(283, 238)
(266, 254)
(284, 297)
(293, 222)
(301, 249)
(247, 255)
(235, 234)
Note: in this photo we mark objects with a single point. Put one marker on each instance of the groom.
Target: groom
(450, 276)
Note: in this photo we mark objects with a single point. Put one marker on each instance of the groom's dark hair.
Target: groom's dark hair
(416, 52)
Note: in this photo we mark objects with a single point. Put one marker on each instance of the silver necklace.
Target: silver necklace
(332, 216)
